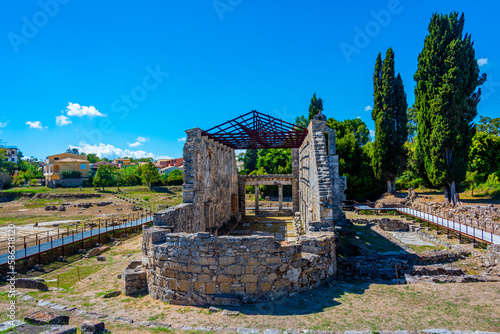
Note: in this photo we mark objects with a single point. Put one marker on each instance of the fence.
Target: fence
(459, 226)
(40, 242)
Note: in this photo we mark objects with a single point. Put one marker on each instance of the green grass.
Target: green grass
(70, 277)
(425, 248)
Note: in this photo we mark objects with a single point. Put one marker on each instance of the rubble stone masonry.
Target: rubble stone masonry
(200, 269)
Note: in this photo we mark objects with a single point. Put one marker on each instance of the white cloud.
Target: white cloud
(163, 157)
(109, 151)
(74, 109)
(181, 140)
(134, 144)
(3, 125)
(372, 133)
(142, 139)
(62, 120)
(368, 108)
(35, 125)
(482, 61)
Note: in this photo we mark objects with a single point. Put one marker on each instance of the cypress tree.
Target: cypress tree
(389, 114)
(446, 101)
(315, 107)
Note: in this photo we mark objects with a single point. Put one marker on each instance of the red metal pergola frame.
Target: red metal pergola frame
(257, 130)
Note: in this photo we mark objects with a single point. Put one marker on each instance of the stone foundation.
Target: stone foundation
(200, 269)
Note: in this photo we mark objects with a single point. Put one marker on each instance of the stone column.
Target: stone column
(256, 199)
(280, 197)
(295, 180)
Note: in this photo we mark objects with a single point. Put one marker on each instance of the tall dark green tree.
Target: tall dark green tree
(250, 159)
(315, 107)
(446, 99)
(389, 114)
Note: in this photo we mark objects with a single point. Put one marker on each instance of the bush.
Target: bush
(409, 179)
(70, 174)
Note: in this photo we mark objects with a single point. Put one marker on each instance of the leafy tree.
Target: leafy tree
(484, 154)
(92, 158)
(149, 174)
(355, 126)
(5, 180)
(131, 175)
(73, 150)
(175, 178)
(302, 121)
(473, 179)
(250, 159)
(489, 125)
(314, 108)
(412, 122)
(446, 100)
(389, 114)
(354, 150)
(275, 161)
(105, 176)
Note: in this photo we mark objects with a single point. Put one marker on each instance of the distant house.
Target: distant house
(161, 163)
(122, 161)
(55, 164)
(240, 166)
(10, 153)
(168, 170)
(95, 166)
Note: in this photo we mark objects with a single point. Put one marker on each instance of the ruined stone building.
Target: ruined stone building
(186, 256)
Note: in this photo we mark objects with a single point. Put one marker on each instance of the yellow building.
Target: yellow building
(122, 161)
(55, 164)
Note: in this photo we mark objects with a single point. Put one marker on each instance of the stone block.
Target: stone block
(199, 287)
(225, 287)
(273, 259)
(225, 279)
(92, 326)
(265, 287)
(46, 318)
(210, 288)
(272, 277)
(249, 279)
(250, 288)
(193, 268)
(227, 260)
(183, 285)
(60, 329)
(234, 269)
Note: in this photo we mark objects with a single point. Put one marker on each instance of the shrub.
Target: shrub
(69, 174)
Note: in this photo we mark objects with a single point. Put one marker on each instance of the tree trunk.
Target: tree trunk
(453, 191)
(447, 196)
(389, 186)
(394, 185)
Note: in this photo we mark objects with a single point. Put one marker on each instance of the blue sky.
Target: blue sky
(128, 77)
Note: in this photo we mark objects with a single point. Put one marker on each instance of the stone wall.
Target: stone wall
(321, 189)
(210, 182)
(199, 269)
(67, 183)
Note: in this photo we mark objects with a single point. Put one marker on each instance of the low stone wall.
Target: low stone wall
(387, 224)
(180, 217)
(493, 254)
(200, 269)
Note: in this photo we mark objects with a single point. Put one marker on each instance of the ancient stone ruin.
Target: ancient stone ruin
(188, 259)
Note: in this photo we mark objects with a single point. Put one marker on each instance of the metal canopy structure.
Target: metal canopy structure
(257, 130)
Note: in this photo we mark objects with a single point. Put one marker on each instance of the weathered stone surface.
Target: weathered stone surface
(112, 294)
(133, 281)
(46, 318)
(320, 186)
(64, 329)
(240, 273)
(92, 326)
(28, 283)
(100, 258)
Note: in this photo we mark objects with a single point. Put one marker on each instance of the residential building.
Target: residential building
(168, 170)
(95, 166)
(240, 166)
(161, 163)
(10, 152)
(55, 164)
(122, 161)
